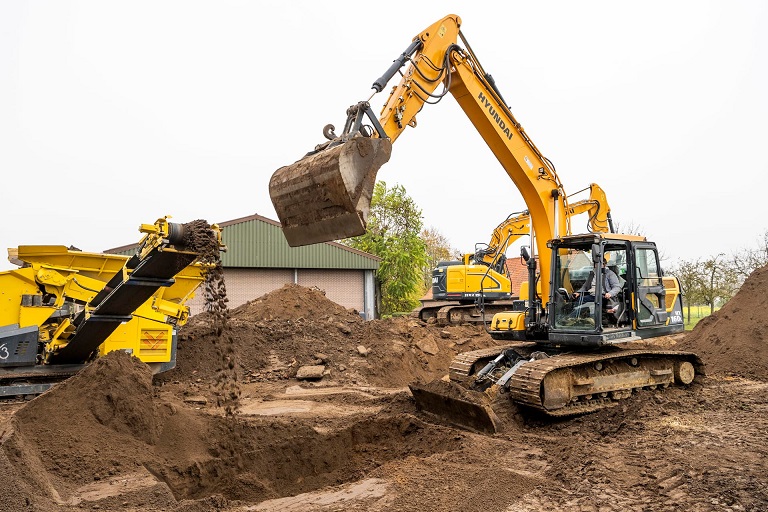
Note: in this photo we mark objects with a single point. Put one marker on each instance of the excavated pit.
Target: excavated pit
(107, 423)
(276, 460)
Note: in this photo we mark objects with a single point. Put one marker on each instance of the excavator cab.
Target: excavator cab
(642, 302)
(580, 303)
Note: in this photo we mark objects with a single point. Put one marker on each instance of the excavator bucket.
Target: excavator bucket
(327, 195)
(448, 405)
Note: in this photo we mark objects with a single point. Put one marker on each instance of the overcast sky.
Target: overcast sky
(113, 114)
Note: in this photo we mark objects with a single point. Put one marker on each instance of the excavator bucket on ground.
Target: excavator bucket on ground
(327, 195)
(464, 412)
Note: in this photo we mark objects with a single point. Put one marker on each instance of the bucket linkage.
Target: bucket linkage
(327, 194)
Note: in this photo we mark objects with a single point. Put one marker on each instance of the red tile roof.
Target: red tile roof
(518, 274)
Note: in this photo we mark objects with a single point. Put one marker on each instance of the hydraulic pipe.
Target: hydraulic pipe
(396, 65)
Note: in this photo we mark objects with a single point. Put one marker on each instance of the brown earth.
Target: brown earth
(733, 339)
(114, 438)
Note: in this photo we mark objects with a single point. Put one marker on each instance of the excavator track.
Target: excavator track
(453, 313)
(572, 383)
(469, 314)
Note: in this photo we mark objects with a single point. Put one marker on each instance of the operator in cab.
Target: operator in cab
(611, 286)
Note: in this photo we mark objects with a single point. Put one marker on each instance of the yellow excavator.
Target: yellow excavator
(64, 307)
(472, 289)
(564, 354)
(479, 285)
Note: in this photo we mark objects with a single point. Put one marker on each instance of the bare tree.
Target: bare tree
(719, 281)
(630, 228)
(747, 261)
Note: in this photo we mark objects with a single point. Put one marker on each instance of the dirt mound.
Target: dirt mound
(293, 302)
(88, 428)
(276, 334)
(114, 392)
(732, 341)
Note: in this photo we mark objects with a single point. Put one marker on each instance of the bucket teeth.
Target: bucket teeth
(327, 196)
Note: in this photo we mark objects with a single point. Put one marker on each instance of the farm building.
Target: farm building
(259, 260)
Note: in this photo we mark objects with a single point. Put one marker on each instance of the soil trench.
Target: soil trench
(349, 437)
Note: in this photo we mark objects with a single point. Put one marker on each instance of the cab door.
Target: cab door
(649, 300)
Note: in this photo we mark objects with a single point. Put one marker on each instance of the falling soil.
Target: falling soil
(200, 238)
(733, 340)
(112, 438)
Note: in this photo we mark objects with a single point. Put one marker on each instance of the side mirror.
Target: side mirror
(524, 254)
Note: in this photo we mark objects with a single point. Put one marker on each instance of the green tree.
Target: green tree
(688, 272)
(438, 249)
(394, 225)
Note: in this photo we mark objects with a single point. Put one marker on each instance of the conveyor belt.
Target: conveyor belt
(120, 298)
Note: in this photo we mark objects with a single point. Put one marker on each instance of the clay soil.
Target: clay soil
(116, 438)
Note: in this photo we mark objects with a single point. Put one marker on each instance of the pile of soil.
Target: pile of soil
(88, 428)
(276, 334)
(732, 341)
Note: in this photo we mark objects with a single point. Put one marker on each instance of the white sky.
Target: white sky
(113, 114)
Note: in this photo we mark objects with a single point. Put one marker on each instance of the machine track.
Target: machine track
(30, 381)
(571, 383)
(454, 313)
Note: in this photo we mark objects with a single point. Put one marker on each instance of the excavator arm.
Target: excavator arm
(513, 227)
(504, 235)
(326, 195)
(599, 214)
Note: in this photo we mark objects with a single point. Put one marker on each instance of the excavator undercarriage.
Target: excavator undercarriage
(454, 313)
(554, 382)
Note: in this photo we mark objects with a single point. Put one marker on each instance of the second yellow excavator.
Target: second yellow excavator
(563, 354)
